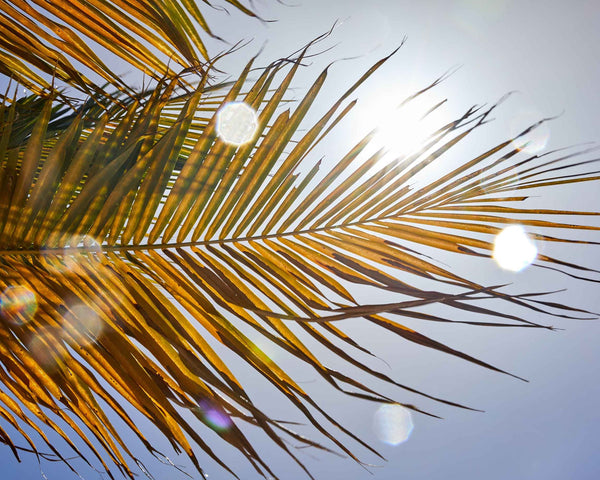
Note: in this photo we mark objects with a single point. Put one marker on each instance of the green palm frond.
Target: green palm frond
(127, 250)
(41, 40)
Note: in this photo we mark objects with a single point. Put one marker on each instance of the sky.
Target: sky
(547, 52)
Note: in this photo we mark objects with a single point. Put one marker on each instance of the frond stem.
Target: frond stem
(164, 246)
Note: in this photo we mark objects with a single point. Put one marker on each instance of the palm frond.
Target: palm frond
(131, 255)
(55, 39)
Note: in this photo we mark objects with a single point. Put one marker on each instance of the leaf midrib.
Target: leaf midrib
(164, 246)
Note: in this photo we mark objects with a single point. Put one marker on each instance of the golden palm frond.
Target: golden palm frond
(56, 39)
(125, 256)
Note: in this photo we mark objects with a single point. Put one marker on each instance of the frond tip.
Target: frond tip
(128, 251)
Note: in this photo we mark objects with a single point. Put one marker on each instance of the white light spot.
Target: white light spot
(236, 123)
(513, 249)
(393, 424)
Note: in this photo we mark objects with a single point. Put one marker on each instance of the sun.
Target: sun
(401, 125)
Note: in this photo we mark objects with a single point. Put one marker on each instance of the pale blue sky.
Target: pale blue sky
(548, 428)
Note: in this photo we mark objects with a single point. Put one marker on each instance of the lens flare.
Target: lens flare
(70, 253)
(488, 181)
(218, 420)
(86, 322)
(215, 417)
(536, 138)
(86, 243)
(236, 123)
(45, 348)
(513, 249)
(59, 265)
(393, 424)
(264, 347)
(365, 29)
(18, 304)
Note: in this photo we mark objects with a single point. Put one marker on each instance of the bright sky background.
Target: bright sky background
(546, 429)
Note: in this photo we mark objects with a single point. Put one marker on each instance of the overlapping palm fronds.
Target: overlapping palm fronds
(134, 253)
(56, 39)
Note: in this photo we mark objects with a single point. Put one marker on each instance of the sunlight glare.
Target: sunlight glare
(399, 128)
(18, 304)
(513, 249)
(236, 123)
(393, 424)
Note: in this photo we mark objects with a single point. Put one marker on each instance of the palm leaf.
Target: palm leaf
(133, 255)
(54, 39)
